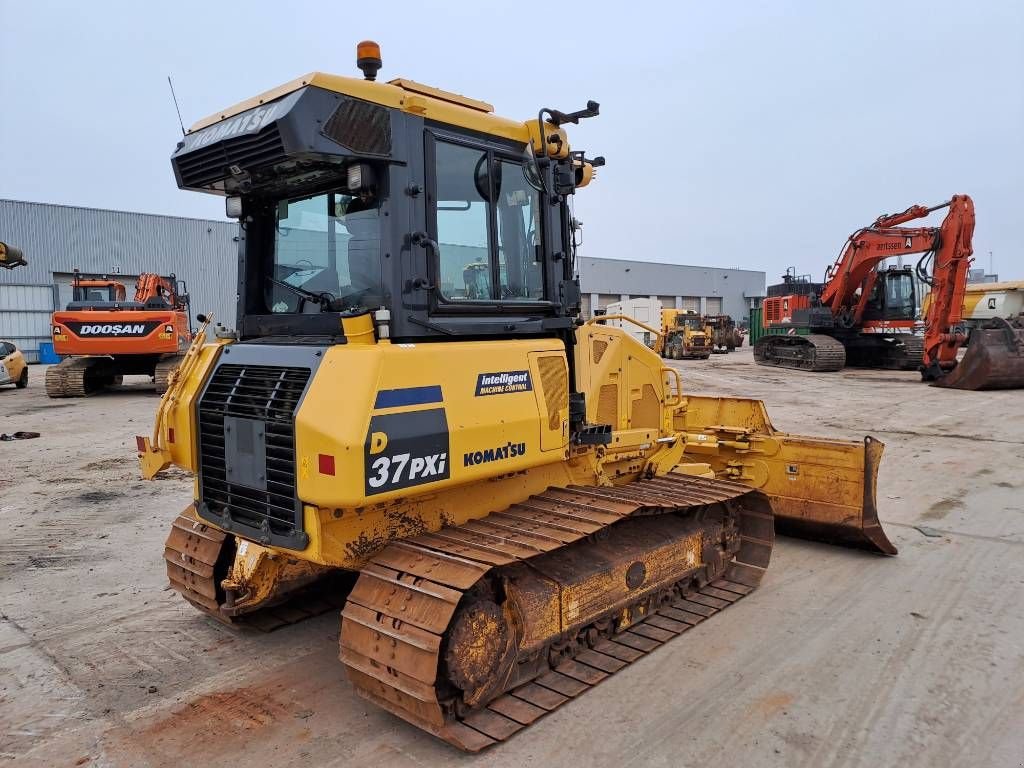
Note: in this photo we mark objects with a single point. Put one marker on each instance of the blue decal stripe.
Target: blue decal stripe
(392, 398)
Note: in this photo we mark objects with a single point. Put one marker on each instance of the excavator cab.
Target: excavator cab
(96, 290)
(893, 296)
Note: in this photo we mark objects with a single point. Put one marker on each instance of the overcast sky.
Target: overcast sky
(753, 135)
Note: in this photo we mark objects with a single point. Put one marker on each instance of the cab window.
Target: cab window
(487, 227)
(325, 246)
(463, 223)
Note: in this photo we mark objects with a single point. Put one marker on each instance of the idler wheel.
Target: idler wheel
(481, 650)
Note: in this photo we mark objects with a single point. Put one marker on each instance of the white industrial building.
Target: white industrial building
(708, 290)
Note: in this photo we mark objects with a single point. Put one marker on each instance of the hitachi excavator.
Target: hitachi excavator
(525, 503)
(104, 337)
(865, 316)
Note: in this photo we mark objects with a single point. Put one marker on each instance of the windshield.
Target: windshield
(899, 298)
(327, 245)
(693, 323)
(94, 293)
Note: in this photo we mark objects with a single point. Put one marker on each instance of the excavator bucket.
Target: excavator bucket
(994, 358)
(821, 489)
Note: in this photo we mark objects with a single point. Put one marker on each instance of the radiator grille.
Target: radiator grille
(270, 395)
(205, 166)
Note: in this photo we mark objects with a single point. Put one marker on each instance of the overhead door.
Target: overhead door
(691, 302)
(25, 310)
(714, 305)
(667, 302)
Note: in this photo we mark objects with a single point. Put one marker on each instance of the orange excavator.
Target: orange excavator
(104, 337)
(865, 316)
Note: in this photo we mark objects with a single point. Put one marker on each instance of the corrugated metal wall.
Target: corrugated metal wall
(25, 316)
(59, 238)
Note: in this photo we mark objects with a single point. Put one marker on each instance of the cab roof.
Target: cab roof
(406, 95)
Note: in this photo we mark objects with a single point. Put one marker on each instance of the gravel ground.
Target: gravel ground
(839, 659)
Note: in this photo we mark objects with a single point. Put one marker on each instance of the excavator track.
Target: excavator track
(810, 352)
(898, 352)
(908, 354)
(197, 556)
(163, 370)
(447, 629)
(78, 377)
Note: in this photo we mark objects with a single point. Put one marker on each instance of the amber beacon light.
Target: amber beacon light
(368, 58)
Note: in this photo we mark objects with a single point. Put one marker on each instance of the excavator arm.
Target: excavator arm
(151, 286)
(857, 266)
(952, 259)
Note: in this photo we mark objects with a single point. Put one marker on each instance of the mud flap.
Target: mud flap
(994, 359)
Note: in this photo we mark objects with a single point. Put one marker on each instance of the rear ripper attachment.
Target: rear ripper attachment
(476, 631)
(202, 567)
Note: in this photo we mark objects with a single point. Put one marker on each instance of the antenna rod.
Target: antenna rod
(176, 107)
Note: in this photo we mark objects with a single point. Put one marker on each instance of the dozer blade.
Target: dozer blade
(994, 358)
(836, 507)
(820, 489)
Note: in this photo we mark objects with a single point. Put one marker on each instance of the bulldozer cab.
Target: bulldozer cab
(414, 204)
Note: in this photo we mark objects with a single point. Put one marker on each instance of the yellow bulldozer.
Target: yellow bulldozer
(524, 504)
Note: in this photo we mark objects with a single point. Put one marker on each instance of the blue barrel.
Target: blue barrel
(46, 353)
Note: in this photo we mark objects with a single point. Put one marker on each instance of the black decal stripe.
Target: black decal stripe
(393, 398)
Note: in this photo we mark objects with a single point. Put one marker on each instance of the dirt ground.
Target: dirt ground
(839, 659)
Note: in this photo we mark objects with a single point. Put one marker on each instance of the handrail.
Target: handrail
(646, 327)
(679, 388)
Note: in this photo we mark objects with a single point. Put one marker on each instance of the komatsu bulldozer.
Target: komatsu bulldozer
(524, 503)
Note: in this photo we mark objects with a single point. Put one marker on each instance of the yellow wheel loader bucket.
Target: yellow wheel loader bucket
(994, 358)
